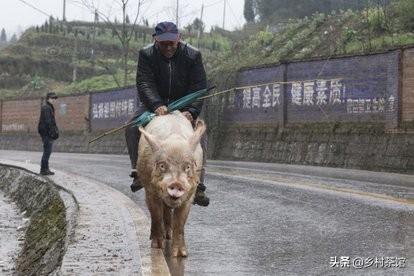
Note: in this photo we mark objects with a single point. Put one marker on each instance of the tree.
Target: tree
(196, 26)
(46, 27)
(127, 20)
(124, 33)
(3, 36)
(249, 10)
(280, 10)
(13, 39)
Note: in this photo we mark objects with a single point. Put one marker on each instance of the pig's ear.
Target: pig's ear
(152, 141)
(198, 132)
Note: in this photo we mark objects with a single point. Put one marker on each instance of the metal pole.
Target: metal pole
(224, 14)
(75, 60)
(176, 14)
(199, 29)
(64, 10)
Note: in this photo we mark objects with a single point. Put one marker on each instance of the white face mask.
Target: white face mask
(52, 101)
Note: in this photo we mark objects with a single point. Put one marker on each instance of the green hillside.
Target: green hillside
(44, 58)
(323, 35)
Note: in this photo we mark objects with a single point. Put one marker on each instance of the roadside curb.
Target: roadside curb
(110, 232)
(387, 178)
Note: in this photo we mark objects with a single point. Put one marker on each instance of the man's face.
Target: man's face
(52, 100)
(167, 48)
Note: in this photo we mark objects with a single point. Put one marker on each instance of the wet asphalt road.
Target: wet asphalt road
(262, 222)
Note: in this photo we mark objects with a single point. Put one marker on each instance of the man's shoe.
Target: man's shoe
(48, 172)
(200, 197)
(201, 187)
(136, 185)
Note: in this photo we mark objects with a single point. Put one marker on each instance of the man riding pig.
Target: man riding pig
(168, 70)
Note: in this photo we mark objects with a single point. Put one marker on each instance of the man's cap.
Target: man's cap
(166, 31)
(51, 95)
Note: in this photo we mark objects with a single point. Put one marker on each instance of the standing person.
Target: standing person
(48, 130)
(168, 70)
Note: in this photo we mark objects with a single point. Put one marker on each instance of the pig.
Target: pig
(169, 166)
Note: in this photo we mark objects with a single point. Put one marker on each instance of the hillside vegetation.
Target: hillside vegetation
(45, 57)
(348, 32)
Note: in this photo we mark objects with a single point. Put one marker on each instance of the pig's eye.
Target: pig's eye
(187, 167)
(162, 166)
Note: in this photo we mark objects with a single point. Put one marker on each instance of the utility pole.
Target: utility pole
(176, 14)
(199, 29)
(95, 22)
(75, 59)
(224, 14)
(64, 10)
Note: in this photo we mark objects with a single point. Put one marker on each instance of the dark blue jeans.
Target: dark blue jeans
(47, 151)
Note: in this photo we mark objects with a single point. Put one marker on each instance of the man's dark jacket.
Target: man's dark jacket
(161, 81)
(47, 124)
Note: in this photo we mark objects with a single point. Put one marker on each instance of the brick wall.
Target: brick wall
(72, 113)
(20, 116)
(408, 86)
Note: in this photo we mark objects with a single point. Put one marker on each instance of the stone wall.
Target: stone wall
(43, 247)
(351, 145)
(359, 146)
(408, 86)
(67, 142)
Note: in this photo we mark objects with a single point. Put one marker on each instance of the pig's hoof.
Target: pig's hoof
(179, 252)
(157, 243)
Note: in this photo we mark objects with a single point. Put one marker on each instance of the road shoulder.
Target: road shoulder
(110, 235)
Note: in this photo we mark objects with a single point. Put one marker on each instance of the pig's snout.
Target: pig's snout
(176, 190)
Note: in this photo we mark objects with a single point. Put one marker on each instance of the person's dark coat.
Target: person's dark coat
(47, 124)
(161, 80)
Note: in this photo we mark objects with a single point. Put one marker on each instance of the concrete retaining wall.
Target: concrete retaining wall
(359, 146)
(44, 243)
(408, 86)
(67, 142)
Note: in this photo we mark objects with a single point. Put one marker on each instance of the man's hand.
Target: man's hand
(162, 110)
(188, 115)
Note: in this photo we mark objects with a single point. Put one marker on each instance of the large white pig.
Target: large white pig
(169, 166)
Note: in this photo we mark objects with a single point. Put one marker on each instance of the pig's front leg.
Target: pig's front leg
(167, 222)
(180, 217)
(156, 209)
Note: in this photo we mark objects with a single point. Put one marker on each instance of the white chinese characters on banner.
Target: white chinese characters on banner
(316, 92)
(113, 109)
(247, 98)
(308, 92)
(321, 97)
(256, 97)
(375, 105)
(264, 96)
(336, 90)
(267, 97)
(296, 93)
(276, 95)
